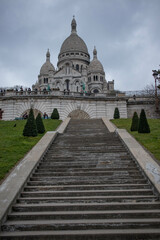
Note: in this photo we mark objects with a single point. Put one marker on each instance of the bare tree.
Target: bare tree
(149, 90)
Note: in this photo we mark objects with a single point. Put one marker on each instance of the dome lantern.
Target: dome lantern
(94, 52)
(48, 56)
(73, 48)
(73, 25)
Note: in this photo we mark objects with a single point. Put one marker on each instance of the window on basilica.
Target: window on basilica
(96, 91)
(77, 67)
(45, 80)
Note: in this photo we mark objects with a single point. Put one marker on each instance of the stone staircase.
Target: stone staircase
(87, 187)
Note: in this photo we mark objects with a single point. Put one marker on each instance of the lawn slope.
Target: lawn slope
(13, 145)
(150, 141)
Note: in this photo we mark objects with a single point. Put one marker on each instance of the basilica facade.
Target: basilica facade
(75, 73)
(77, 88)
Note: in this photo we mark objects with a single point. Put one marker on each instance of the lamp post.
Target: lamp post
(156, 75)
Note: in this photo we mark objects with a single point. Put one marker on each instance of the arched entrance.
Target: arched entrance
(79, 114)
(35, 111)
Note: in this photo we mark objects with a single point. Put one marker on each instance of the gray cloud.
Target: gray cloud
(125, 32)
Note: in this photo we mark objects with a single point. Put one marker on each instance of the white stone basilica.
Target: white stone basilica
(76, 73)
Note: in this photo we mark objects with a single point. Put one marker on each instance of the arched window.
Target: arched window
(67, 84)
(67, 68)
(58, 84)
(45, 80)
(94, 78)
(77, 67)
(96, 91)
(77, 88)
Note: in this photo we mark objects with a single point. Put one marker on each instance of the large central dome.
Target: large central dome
(73, 48)
(74, 43)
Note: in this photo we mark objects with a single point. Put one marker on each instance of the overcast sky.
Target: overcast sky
(126, 34)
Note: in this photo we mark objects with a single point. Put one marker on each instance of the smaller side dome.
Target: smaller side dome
(47, 66)
(95, 65)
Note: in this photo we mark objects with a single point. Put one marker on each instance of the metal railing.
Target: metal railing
(125, 94)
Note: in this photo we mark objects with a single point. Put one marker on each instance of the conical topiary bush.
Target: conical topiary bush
(30, 128)
(143, 123)
(116, 113)
(135, 122)
(39, 123)
(55, 114)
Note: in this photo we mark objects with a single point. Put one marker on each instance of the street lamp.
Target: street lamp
(156, 75)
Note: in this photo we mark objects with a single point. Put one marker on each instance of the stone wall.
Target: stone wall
(92, 107)
(148, 106)
(15, 107)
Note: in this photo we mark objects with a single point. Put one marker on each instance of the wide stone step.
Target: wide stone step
(80, 224)
(90, 149)
(86, 187)
(87, 169)
(84, 215)
(44, 182)
(86, 157)
(71, 157)
(85, 206)
(93, 173)
(89, 178)
(91, 164)
(128, 192)
(83, 152)
(98, 234)
(86, 199)
(78, 160)
(89, 142)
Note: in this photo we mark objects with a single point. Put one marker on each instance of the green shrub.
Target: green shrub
(116, 113)
(135, 122)
(143, 123)
(55, 114)
(39, 123)
(30, 128)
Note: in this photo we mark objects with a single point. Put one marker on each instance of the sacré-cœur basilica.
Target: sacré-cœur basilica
(77, 88)
(76, 73)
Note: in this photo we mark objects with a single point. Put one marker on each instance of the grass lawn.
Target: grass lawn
(151, 140)
(13, 145)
